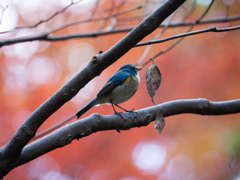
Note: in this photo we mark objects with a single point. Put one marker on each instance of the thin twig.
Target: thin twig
(191, 27)
(227, 7)
(212, 29)
(148, 48)
(105, 21)
(178, 41)
(94, 19)
(45, 20)
(45, 37)
(3, 10)
(43, 133)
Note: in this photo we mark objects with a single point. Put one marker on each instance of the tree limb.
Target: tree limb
(47, 37)
(143, 117)
(212, 29)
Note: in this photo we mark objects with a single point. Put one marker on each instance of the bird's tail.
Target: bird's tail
(86, 108)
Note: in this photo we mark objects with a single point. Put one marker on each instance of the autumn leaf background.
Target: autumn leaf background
(201, 66)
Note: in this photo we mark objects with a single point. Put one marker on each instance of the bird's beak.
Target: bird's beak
(138, 68)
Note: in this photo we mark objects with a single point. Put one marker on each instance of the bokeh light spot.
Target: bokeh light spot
(41, 70)
(19, 118)
(149, 157)
(180, 167)
(79, 55)
(25, 50)
(41, 166)
(130, 178)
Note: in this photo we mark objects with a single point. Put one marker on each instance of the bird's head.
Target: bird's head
(131, 69)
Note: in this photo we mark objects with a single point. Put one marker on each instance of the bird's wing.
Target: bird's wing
(114, 81)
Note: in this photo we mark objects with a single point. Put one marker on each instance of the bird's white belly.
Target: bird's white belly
(124, 91)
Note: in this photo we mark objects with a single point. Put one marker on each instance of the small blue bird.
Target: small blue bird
(119, 88)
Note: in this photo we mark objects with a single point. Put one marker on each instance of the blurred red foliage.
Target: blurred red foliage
(202, 66)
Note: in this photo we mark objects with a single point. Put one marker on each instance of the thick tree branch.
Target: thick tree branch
(9, 154)
(143, 117)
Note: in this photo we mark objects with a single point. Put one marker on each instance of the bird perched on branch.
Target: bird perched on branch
(119, 88)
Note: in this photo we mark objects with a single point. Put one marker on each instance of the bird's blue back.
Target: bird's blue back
(114, 90)
(122, 74)
(118, 78)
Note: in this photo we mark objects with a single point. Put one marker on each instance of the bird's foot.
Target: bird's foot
(120, 114)
(131, 111)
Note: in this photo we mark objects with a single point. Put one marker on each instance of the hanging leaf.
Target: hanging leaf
(153, 79)
(159, 122)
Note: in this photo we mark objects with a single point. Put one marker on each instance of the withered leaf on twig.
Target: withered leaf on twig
(153, 79)
(159, 122)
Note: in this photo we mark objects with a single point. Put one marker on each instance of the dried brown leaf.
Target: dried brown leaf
(159, 122)
(153, 79)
